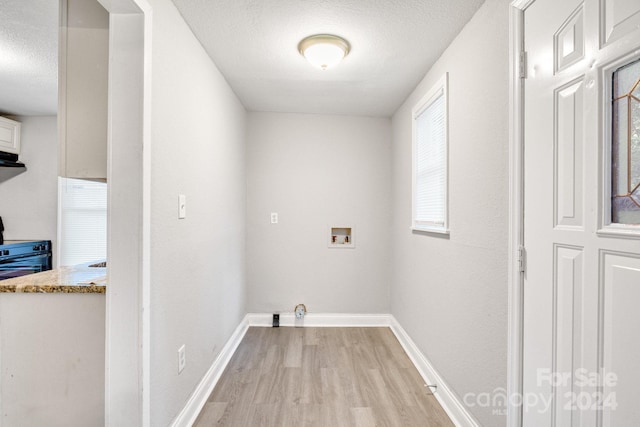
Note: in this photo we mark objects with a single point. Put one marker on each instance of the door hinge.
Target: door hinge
(522, 65)
(522, 259)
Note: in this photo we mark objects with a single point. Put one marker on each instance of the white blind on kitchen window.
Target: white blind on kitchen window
(430, 161)
(82, 230)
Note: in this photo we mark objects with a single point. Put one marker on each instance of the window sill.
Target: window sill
(442, 232)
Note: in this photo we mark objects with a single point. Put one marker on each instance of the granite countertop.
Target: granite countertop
(79, 279)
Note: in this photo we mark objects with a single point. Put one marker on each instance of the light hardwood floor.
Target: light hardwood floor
(324, 377)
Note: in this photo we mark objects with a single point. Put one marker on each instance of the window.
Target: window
(82, 230)
(430, 140)
(625, 147)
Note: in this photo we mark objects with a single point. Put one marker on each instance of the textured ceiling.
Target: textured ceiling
(393, 44)
(29, 57)
(254, 43)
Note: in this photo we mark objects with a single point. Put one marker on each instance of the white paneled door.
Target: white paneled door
(581, 363)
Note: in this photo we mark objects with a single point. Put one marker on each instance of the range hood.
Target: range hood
(10, 166)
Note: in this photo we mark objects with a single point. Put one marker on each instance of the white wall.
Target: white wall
(197, 263)
(317, 171)
(29, 201)
(450, 294)
(52, 363)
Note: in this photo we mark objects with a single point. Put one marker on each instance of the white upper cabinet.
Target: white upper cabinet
(83, 82)
(9, 136)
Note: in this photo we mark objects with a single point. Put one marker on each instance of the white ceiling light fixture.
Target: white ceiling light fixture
(324, 50)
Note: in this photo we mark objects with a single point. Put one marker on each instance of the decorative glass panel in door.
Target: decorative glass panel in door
(625, 168)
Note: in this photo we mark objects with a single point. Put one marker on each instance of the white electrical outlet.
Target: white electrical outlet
(182, 358)
(274, 217)
(182, 206)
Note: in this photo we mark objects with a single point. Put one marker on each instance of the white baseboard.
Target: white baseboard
(196, 402)
(318, 320)
(449, 401)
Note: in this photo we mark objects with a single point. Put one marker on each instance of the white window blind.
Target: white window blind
(430, 161)
(82, 232)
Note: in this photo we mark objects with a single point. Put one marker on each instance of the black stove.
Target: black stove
(22, 257)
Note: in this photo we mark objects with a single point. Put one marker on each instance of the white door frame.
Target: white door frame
(515, 329)
(127, 354)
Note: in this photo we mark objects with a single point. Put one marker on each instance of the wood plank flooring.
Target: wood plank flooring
(324, 377)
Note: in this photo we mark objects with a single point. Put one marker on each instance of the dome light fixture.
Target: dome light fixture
(324, 50)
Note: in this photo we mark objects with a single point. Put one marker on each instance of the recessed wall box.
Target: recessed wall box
(342, 237)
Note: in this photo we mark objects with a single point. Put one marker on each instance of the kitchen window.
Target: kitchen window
(430, 158)
(82, 221)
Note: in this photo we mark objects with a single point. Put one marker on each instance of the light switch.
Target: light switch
(274, 217)
(182, 206)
